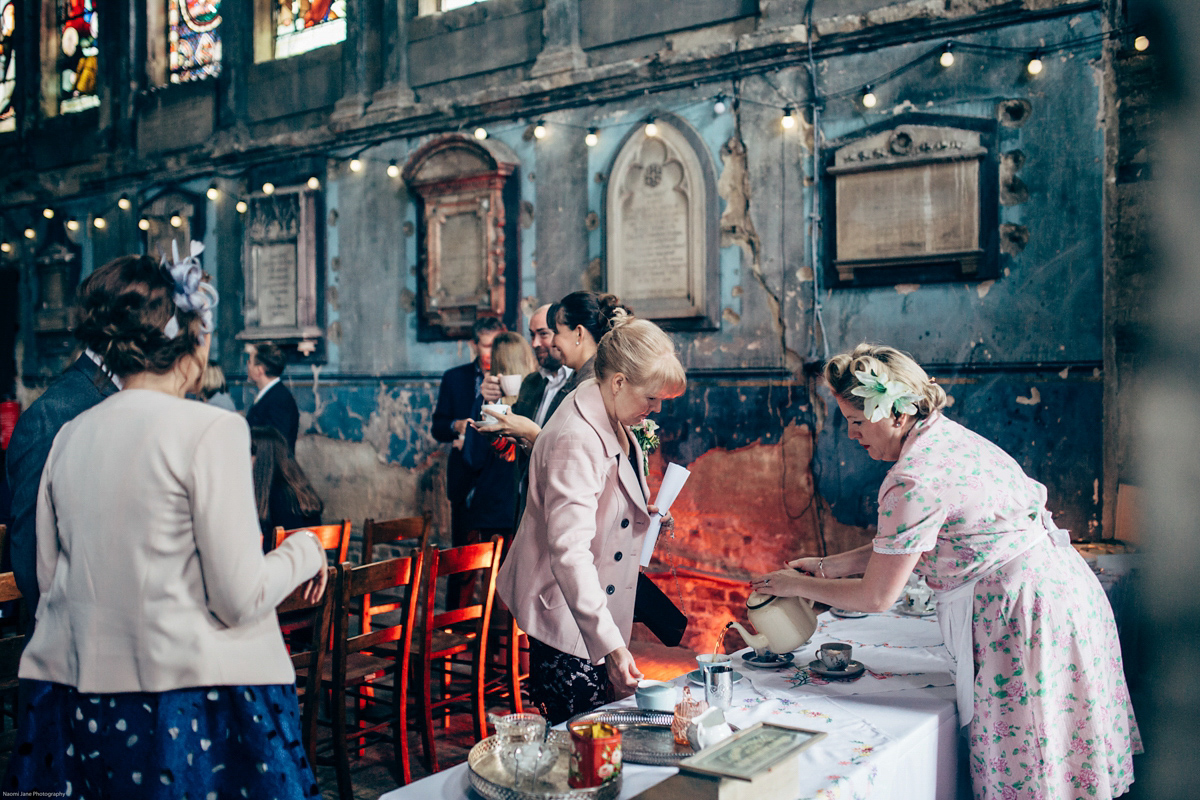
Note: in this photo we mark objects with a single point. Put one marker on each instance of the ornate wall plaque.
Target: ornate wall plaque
(282, 256)
(913, 202)
(466, 194)
(661, 226)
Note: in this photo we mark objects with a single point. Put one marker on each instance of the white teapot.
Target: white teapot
(784, 624)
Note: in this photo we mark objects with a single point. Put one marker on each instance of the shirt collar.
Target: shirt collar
(265, 389)
(94, 356)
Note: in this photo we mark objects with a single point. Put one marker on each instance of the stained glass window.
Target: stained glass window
(303, 25)
(8, 65)
(194, 34)
(78, 55)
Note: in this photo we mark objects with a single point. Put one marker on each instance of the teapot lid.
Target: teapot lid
(758, 600)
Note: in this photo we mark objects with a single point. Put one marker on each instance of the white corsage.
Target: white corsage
(881, 398)
(647, 437)
(191, 293)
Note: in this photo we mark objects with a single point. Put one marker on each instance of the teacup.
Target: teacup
(709, 660)
(492, 410)
(514, 729)
(919, 600)
(510, 385)
(835, 655)
(655, 696)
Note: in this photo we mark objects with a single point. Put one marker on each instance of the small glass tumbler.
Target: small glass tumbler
(718, 687)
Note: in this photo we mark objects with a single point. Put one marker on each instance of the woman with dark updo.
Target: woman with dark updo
(157, 668)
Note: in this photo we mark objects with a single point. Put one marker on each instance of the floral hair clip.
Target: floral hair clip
(191, 293)
(881, 397)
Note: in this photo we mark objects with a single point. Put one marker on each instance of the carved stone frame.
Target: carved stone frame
(907, 146)
(159, 208)
(698, 308)
(306, 334)
(456, 177)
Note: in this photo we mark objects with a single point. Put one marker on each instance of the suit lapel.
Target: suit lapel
(634, 482)
(591, 407)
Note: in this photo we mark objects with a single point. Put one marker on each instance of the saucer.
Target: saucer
(695, 677)
(847, 614)
(752, 659)
(852, 670)
(912, 612)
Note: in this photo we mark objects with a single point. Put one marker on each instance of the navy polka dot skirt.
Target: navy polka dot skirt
(205, 743)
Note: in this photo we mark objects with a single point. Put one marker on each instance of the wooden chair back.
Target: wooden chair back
(333, 537)
(458, 633)
(308, 642)
(362, 654)
(413, 531)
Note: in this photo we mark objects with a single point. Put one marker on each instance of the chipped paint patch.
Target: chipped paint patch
(1034, 398)
(804, 274)
(906, 288)
(983, 288)
(731, 316)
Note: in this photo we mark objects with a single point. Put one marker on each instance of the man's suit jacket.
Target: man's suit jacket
(82, 386)
(276, 409)
(456, 400)
(571, 575)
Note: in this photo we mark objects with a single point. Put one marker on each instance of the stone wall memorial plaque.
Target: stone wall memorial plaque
(660, 226)
(282, 258)
(913, 202)
(466, 194)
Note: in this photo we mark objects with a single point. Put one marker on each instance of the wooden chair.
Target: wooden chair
(333, 537)
(413, 531)
(454, 643)
(505, 675)
(308, 625)
(11, 648)
(362, 659)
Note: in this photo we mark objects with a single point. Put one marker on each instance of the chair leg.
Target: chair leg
(478, 697)
(425, 698)
(341, 752)
(514, 665)
(400, 731)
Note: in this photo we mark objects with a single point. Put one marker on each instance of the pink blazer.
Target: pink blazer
(571, 575)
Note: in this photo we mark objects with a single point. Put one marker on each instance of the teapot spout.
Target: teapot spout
(756, 640)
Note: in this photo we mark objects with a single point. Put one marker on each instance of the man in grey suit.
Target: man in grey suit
(84, 384)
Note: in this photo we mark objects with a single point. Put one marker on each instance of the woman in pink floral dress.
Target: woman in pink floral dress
(1039, 674)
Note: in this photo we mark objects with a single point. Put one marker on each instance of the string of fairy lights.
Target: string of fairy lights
(865, 95)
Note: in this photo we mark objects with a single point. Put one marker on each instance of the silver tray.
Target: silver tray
(646, 736)
(491, 780)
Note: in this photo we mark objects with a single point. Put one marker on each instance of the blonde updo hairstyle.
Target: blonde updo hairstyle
(639, 350)
(512, 355)
(890, 365)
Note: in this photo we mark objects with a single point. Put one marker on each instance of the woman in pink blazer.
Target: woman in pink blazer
(571, 576)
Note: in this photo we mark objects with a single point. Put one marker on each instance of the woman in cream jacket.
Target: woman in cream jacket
(156, 667)
(571, 576)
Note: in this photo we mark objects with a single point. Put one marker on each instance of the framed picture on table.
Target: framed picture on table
(751, 752)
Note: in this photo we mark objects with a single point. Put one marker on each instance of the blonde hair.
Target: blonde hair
(889, 364)
(213, 381)
(512, 355)
(638, 349)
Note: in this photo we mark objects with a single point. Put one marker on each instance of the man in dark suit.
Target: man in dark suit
(274, 406)
(84, 384)
(458, 398)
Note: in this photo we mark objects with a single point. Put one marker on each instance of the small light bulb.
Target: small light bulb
(268, 188)
(314, 182)
(719, 107)
(72, 224)
(100, 222)
(212, 193)
(481, 133)
(356, 165)
(869, 100)
(1141, 43)
(48, 213)
(789, 119)
(124, 203)
(592, 138)
(539, 130)
(651, 127)
(1034, 67)
(5, 247)
(30, 233)
(241, 206)
(947, 57)
(176, 221)
(393, 169)
(144, 224)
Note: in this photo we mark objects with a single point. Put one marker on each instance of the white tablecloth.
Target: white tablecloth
(890, 734)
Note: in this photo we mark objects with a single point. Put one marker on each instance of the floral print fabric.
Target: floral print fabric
(1052, 712)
